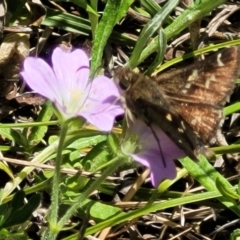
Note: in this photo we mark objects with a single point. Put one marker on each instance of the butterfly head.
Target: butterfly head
(125, 78)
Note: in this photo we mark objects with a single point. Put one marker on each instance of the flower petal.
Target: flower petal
(103, 104)
(157, 154)
(169, 149)
(103, 87)
(40, 77)
(66, 66)
(103, 121)
(159, 172)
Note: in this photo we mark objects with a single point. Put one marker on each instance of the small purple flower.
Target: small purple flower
(140, 143)
(66, 84)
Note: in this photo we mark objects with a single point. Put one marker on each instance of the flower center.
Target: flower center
(74, 100)
(131, 144)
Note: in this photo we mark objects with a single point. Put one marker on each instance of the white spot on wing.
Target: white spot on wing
(209, 80)
(207, 83)
(212, 78)
(186, 87)
(180, 130)
(220, 63)
(183, 125)
(193, 76)
(169, 117)
(193, 122)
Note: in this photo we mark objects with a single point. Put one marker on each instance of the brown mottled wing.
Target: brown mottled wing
(200, 90)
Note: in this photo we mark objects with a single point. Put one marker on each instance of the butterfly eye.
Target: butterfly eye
(124, 84)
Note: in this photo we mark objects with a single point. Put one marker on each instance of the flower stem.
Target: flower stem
(53, 213)
(116, 163)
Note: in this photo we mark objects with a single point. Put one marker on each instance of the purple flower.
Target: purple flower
(67, 85)
(140, 143)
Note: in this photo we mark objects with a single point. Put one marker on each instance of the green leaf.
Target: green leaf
(81, 3)
(86, 6)
(189, 16)
(238, 187)
(74, 184)
(206, 175)
(125, 5)
(150, 28)
(20, 214)
(97, 157)
(18, 200)
(235, 235)
(151, 6)
(234, 148)
(87, 141)
(67, 21)
(3, 209)
(103, 32)
(38, 133)
(20, 138)
(100, 211)
(113, 142)
(162, 45)
(232, 109)
(196, 53)
(6, 133)
(93, 18)
(225, 190)
(7, 170)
